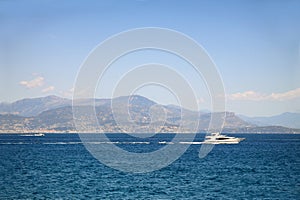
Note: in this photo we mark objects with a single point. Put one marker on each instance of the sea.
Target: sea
(58, 166)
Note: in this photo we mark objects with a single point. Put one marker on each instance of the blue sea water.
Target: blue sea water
(57, 166)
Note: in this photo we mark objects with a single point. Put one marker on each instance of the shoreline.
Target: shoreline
(93, 132)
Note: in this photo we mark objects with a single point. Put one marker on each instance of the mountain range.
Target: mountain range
(287, 119)
(54, 114)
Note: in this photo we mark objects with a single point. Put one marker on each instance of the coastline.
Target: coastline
(95, 132)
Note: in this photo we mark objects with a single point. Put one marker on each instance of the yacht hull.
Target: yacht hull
(217, 138)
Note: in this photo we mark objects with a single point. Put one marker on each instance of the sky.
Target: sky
(255, 46)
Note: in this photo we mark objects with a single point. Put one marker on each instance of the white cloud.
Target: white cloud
(48, 89)
(255, 96)
(248, 95)
(68, 93)
(201, 100)
(36, 82)
(292, 94)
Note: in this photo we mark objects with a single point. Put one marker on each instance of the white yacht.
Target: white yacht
(217, 138)
(39, 134)
(34, 135)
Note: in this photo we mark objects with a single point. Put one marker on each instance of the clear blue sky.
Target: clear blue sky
(255, 45)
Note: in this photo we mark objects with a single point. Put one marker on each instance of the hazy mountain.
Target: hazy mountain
(55, 113)
(33, 106)
(291, 120)
(251, 120)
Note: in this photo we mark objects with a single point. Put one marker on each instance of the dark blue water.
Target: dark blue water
(58, 166)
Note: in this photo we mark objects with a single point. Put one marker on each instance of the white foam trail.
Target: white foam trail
(165, 142)
(15, 143)
(117, 142)
(190, 142)
(61, 143)
(135, 142)
(98, 143)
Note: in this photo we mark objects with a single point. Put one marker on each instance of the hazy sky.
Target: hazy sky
(255, 45)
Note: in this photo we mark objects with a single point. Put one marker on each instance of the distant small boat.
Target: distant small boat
(34, 135)
(217, 138)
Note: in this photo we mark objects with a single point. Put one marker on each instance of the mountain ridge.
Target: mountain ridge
(54, 114)
(287, 119)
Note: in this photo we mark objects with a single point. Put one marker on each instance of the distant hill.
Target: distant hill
(55, 114)
(291, 120)
(33, 106)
